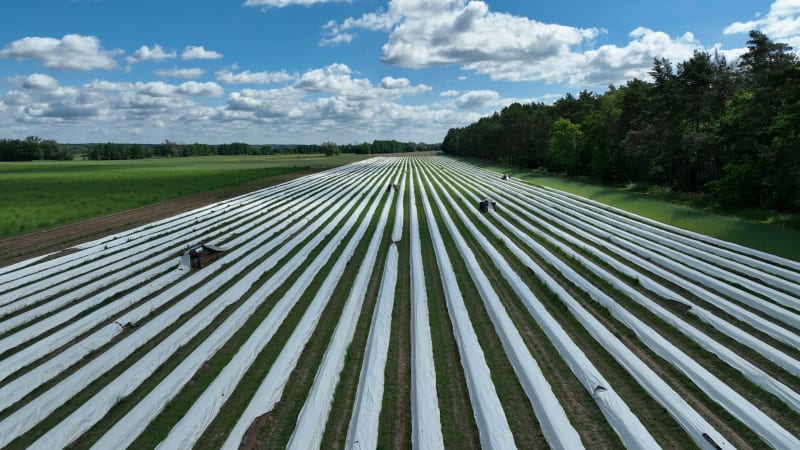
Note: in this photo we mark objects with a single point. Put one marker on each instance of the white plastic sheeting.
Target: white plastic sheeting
(778, 357)
(764, 426)
(426, 429)
(125, 431)
(613, 407)
(647, 243)
(186, 432)
(489, 415)
(276, 220)
(313, 416)
(37, 409)
(553, 420)
(687, 270)
(363, 431)
(754, 374)
(577, 228)
(696, 426)
(254, 238)
(767, 262)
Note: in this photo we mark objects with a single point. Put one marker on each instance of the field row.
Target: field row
(376, 304)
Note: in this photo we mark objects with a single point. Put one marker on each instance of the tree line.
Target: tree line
(703, 125)
(34, 148)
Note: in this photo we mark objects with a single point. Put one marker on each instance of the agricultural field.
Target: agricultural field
(43, 194)
(375, 305)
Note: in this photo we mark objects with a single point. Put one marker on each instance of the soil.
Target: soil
(60, 240)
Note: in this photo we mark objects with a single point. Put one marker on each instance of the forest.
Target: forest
(702, 126)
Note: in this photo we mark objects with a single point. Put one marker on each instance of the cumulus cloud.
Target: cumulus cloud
(513, 48)
(395, 83)
(340, 33)
(337, 79)
(441, 32)
(195, 52)
(40, 81)
(781, 22)
(247, 77)
(71, 52)
(477, 99)
(326, 103)
(146, 53)
(449, 93)
(207, 89)
(175, 72)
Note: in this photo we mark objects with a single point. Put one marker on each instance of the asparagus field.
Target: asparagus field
(401, 302)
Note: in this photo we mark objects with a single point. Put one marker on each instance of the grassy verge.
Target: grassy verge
(749, 229)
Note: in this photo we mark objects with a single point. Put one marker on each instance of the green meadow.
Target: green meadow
(43, 194)
(759, 230)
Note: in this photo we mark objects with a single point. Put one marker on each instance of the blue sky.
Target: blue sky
(310, 71)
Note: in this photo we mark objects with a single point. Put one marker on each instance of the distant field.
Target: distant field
(767, 237)
(45, 194)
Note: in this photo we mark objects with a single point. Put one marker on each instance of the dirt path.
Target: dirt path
(60, 239)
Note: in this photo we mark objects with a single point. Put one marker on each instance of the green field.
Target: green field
(44, 194)
(774, 238)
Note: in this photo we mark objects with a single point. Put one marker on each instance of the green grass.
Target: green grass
(758, 231)
(44, 194)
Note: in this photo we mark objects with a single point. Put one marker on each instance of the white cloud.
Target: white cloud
(449, 93)
(429, 33)
(40, 81)
(71, 52)
(146, 53)
(195, 52)
(207, 89)
(161, 89)
(782, 22)
(395, 83)
(338, 33)
(336, 79)
(327, 103)
(284, 3)
(246, 77)
(477, 99)
(180, 73)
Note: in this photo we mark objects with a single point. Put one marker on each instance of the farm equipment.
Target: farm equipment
(198, 256)
(486, 205)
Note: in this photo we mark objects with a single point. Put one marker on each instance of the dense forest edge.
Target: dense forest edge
(704, 126)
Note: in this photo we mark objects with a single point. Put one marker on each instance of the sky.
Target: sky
(346, 71)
